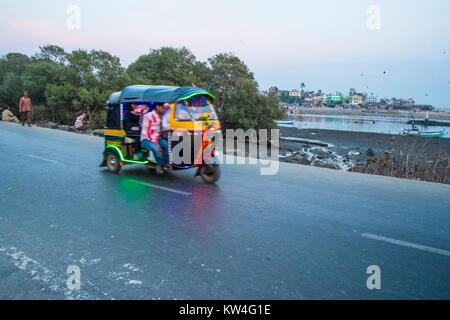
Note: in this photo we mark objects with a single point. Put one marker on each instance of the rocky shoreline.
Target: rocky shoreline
(345, 150)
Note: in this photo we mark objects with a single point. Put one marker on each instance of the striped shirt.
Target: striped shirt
(79, 122)
(151, 127)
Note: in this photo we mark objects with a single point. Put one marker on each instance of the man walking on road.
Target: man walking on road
(25, 109)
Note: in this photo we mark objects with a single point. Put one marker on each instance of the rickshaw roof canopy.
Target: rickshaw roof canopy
(143, 93)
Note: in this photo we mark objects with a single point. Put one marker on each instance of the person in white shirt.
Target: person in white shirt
(81, 124)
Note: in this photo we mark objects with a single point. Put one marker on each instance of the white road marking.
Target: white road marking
(407, 244)
(160, 187)
(43, 159)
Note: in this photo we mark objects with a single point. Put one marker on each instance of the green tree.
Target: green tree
(168, 66)
(11, 90)
(12, 66)
(52, 53)
(39, 74)
(98, 75)
(238, 103)
(227, 69)
(60, 101)
(13, 63)
(64, 84)
(302, 86)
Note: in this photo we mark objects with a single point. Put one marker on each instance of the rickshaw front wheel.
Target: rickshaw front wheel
(210, 174)
(113, 162)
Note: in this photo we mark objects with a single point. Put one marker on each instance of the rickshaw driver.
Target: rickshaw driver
(150, 136)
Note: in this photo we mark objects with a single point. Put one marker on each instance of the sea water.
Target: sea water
(390, 125)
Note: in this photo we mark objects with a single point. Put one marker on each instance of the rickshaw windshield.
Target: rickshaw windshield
(195, 110)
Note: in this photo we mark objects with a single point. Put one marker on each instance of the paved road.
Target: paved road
(305, 233)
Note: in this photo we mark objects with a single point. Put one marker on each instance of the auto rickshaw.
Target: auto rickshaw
(191, 115)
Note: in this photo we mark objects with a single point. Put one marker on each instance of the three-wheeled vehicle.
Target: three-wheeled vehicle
(191, 114)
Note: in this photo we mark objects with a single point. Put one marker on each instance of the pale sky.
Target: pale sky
(324, 43)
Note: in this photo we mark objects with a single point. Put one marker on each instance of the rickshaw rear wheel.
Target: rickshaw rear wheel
(112, 162)
(210, 174)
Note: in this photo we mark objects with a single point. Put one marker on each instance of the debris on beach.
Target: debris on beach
(370, 153)
(317, 156)
(307, 141)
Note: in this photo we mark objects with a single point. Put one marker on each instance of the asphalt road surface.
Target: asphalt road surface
(305, 233)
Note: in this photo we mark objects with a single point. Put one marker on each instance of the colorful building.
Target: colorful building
(357, 99)
(318, 100)
(334, 99)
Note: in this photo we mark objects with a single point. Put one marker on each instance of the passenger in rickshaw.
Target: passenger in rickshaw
(151, 138)
(134, 114)
(182, 112)
(165, 128)
(132, 124)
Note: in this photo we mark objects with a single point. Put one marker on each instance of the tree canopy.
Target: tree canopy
(63, 84)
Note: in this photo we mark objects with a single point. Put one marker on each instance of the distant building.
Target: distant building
(357, 99)
(318, 100)
(407, 102)
(352, 92)
(283, 92)
(334, 99)
(278, 92)
(295, 93)
(363, 95)
(308, 94)
(424, 107)
(372, 99)
(273, 90)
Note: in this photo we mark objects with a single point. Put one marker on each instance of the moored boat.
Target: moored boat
(417, 133)
(286, 123)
